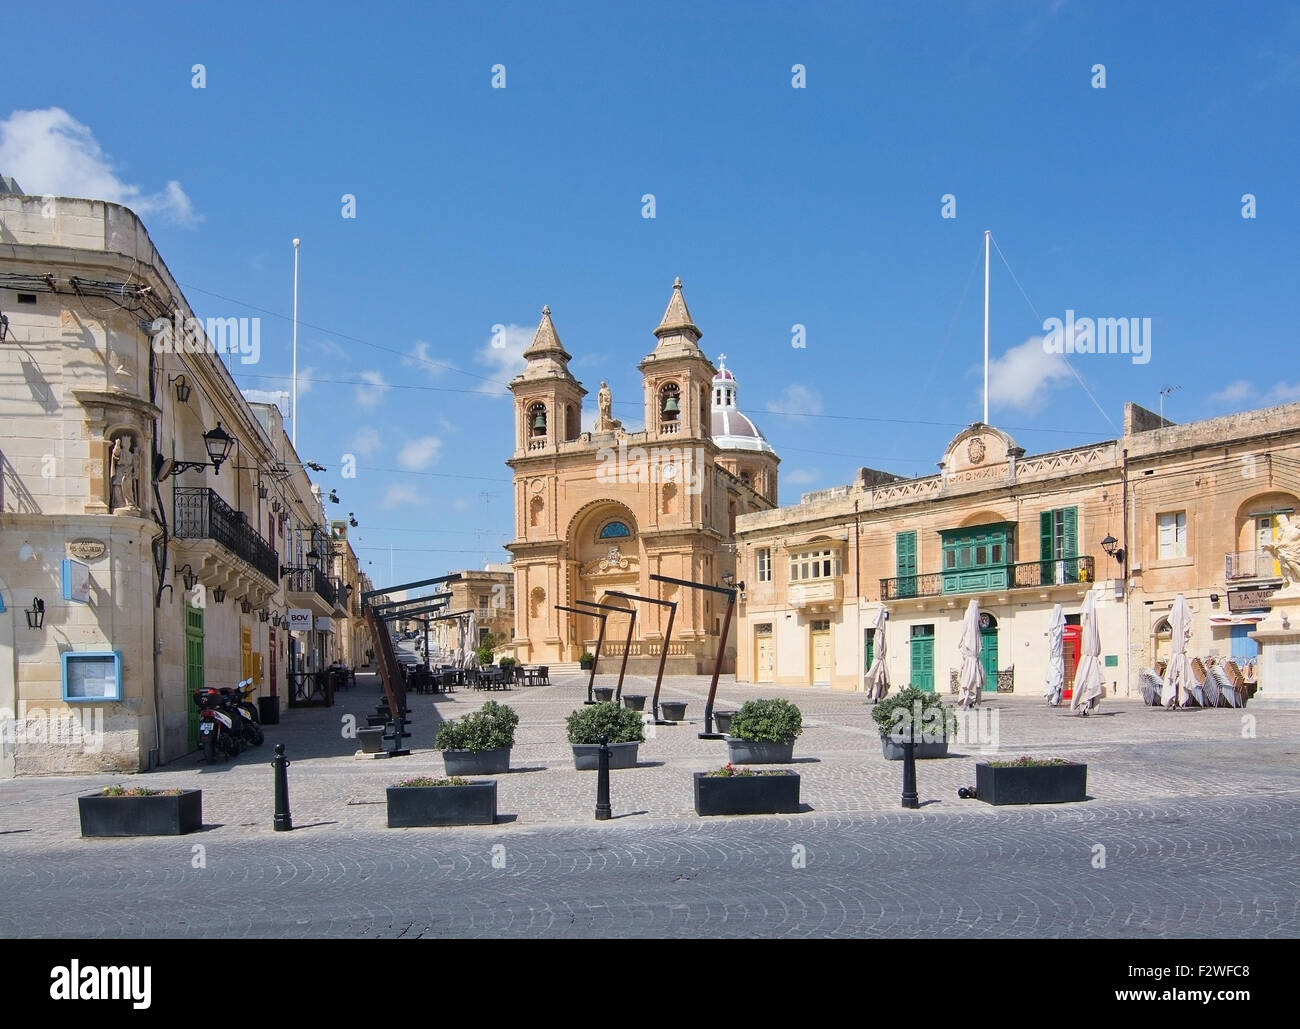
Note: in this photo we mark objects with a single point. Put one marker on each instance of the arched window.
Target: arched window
(537, 420)
(670, 401)
(614, 530)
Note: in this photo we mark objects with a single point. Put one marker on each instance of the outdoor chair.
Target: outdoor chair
(1151, 686)
(1209, 688)
(544, 675)
(1232, 694)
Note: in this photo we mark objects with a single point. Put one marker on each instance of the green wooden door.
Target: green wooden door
(869, 652)
(923, 657)
(193, 671)
(905, 563)
(989, 657)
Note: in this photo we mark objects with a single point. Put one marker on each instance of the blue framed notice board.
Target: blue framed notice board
(92, 675)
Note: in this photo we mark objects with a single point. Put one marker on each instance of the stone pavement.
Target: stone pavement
(1197, 813)
(1134, 754)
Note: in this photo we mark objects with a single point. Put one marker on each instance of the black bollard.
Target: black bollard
(283, 820)
(603, 811)
(910, 798)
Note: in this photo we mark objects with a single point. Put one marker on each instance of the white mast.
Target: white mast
(987, 236)
(293, 409)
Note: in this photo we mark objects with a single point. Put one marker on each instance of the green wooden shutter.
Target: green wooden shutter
(905, 563)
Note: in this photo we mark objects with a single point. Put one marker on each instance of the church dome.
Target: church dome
(731, 429)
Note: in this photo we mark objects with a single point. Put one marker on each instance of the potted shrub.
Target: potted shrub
(622, 726)
(449, 801)
(1030, 780)
(507, 665)
(480, 742)
(119, 811)
(914, 710)
(763, 732)
(735, 791)
(587, 660)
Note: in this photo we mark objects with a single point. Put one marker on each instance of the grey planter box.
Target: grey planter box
(673, 710)
(371, 739)
(634, 701)
(603, 693)
(586, 756)
(746, 794)
(476, 762)
(411, 806)
(161, 815)
(1044, 784)
(722, 720)
(924, 748)
(753, 752)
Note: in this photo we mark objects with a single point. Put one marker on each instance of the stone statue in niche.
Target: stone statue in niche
(1286, 550)
(124, 483)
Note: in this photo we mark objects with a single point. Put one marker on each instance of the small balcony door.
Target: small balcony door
(922, 645)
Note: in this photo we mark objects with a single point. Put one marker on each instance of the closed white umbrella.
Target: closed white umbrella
(877, 678)
(1088, 688)
(970, 679)
(1055, 657)
(1178, 676)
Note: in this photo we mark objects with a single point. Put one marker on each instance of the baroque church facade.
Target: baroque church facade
(600, 512)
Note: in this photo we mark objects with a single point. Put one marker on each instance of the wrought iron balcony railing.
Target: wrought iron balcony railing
(310, 580)
(199, 513)
(1251, 564)
(1025, 575)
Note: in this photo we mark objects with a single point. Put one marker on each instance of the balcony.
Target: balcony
(311, 588)
(816, 593)
(1251, 565)
(993, 578)
(225, 550)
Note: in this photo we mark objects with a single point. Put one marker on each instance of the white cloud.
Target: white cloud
(398, 495)
(49, 151)
(331, 349)
(370, 395)
(1233, 393)
(802, 476)
(1284, 393)
(366, 442)
(796, 399)
(421, 358)
(1023, 377)
(504, 354)
(417, 454)
(305, 376)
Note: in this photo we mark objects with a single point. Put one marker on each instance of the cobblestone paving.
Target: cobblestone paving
(1198, 812)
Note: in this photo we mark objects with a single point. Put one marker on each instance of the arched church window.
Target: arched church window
(670, 401)
(614, 531)
(537, 420)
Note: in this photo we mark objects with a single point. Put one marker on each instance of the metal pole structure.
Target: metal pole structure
(283, 821)
(708, 733)
(603, 809)
(987, 236)
(591, 679)
(293, 409)
(668, 635)
(910, 798)
(631, 625)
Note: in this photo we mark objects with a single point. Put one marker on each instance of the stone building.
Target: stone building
(150, 517)
(602, 511)
(1163, 510)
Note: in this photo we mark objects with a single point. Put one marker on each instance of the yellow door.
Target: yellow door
(821, 650)
(765, 660)
(246, 652)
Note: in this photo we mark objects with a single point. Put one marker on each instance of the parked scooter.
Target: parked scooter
(217, 732)
(250, 724)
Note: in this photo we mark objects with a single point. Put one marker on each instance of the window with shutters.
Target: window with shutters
(1058, 534)
(1172, 529)
(977, 557)
(814, 564)
(905, 563)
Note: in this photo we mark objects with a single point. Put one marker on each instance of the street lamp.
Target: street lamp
(187, 576)
(218, 441)
(36, 613)
(219, 594)
(1111, 545)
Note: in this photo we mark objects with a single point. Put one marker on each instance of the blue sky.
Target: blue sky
(777, 206)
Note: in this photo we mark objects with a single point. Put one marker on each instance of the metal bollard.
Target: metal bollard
(910, 798)
(603, 811)
(283, 820)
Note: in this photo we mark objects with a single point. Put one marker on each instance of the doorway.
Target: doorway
(989, 651)
(764, 653)
(194, 679)
(922, 646)
(821, 652)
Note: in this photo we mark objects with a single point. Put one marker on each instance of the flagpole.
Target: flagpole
(987, 235)
(293, 410)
